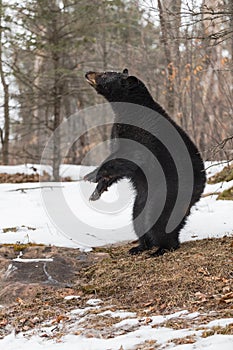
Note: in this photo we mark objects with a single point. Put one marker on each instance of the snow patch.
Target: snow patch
(71, 297)
(94, 302)
(120, 314)
(32, 260)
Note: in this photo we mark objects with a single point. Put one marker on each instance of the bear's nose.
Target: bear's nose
(91, 78)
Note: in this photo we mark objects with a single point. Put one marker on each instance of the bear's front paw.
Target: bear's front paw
(95, 195)
(91, 177)
(100, 188)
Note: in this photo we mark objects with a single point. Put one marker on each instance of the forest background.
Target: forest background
(181, 49)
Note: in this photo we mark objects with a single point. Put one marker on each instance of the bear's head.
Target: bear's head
(116, 86)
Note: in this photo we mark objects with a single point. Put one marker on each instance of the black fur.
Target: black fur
(125, 162)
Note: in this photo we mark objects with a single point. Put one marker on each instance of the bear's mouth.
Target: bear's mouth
(91, 78)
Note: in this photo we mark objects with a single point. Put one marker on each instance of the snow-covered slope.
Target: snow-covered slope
(61, 214)
(130, 333)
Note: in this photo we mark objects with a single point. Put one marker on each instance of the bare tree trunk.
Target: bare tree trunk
(56, 142)
(57, 93)
(56, 123)
(231, 26)
(164, 22)
(83, 139)
(176, 11)
(213, 78)
(37, 115)
(6, 130)
(104, 41)
(168, 57)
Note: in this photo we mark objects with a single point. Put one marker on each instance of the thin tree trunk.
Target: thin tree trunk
(56, 140)
(168, 58)
(176, 11)
(56, 121)
(57, 93)
(6, 130)
(231, 26)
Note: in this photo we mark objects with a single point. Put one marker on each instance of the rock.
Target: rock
(38, 267)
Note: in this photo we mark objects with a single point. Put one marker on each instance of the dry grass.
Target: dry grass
(24, 178)
(226, 174)
(226, 195)
(197, 276)
(228, 330)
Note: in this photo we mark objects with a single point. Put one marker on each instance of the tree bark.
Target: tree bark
(168, 57)
(56, 121)
(57, 95)
(6, 130)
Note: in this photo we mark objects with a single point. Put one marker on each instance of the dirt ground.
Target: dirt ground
(197, 277)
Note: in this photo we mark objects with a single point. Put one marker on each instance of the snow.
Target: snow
(214, 342)
(94, 302)
(223, 322)
(32, 260)
(136, 333)
(126, 324)
(63, 215)
(82, 312)
(161, 319)
(66, 170)
(119, 313)
(71, 297)
(43, 215)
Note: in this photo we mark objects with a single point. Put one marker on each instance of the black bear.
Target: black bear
(155, 154)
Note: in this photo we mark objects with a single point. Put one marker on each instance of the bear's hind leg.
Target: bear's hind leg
(160, 251)
(167, 242)
(139, 220)
(144, 244)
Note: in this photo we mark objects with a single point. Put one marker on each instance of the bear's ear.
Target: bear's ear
(132, 82)
(125, 72)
